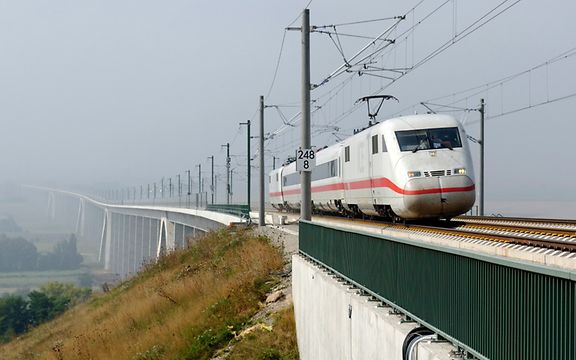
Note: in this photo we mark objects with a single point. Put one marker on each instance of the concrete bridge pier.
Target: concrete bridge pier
(138, 242)
(166, 237)
(105, 240)
(80, 219)
(52, 205)
(118, 246)
(131, 243)
(151, 240)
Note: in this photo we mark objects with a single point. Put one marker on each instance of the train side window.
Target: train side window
(384, 149)
(347, 154)
(333, 168)
(375, 144)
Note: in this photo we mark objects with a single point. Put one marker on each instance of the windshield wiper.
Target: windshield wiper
(423, 145)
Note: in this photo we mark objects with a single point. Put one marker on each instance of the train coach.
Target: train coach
(410, 167)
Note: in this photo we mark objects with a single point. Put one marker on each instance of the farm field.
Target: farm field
(11, 282)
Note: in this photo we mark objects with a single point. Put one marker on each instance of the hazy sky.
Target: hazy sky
(127, 92)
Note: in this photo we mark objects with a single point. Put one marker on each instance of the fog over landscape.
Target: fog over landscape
(116, 117)
(111, 95)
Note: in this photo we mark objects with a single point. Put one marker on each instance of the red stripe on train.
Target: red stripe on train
(376, 183)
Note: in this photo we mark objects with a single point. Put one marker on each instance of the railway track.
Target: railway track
(555, 234)
(561, 240)
(542, 233)
(549, 224)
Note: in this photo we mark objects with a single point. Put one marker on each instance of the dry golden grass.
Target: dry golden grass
(184, 307)
(278, 343)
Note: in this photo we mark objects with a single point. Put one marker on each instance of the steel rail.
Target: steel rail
(543, 223)
(478, 235)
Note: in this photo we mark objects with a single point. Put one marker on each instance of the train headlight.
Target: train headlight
(460, 171)
(414, 174)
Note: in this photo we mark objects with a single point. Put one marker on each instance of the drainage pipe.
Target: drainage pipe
(415, 343)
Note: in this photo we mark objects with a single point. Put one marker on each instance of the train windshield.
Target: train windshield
(425, 139)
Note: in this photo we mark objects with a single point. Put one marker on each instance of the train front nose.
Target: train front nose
(434, 197)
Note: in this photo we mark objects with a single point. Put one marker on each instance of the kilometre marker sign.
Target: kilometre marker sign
(305, 160)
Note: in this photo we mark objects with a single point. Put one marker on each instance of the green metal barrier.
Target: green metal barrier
(494, 307)
(242, 211)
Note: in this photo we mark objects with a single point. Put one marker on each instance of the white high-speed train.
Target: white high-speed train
(410, 167)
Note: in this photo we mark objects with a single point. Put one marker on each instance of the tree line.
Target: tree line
(18, 314)
(8, 224)
(19, 254)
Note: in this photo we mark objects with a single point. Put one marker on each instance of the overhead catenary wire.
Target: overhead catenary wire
(476, 90)
(347, 80)
(531, 106)
(481, 21)
(300, 14)
(281, 51)
(345, 67)
(278, 60)
(276, 68)
(338, 44)
(444, 46)
(467, 31)
(356, 22)
(489, 85)
(347, 35)
(414, 26)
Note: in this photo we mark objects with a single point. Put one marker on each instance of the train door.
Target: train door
(375, 163)
(279, 188)
(380, 170)
(363, 184)
(345, 171)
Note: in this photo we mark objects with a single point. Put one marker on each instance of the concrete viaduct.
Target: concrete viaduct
(130, 236)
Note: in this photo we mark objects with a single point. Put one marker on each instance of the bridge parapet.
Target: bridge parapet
(242, 211)
(493, 307)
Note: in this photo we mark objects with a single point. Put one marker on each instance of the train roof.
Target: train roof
(328, 151)
(408, 122)
(420, 121)
(412, 122)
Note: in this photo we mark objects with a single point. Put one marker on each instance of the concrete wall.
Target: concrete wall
(334, 322)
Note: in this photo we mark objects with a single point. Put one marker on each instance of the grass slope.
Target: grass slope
(187, 306)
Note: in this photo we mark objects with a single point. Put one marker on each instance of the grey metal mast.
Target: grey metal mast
(227, 172)
(199, 186)
(189, 188)
(247, 123)
(261, 220)
(305, 176)
(212, 184)
(481, 192)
